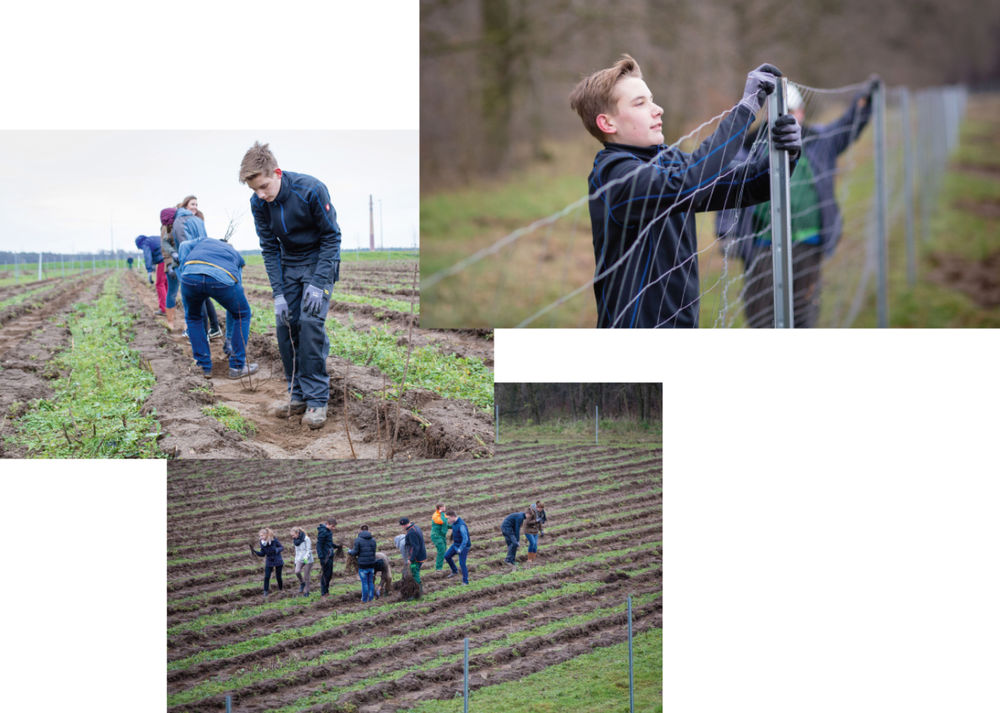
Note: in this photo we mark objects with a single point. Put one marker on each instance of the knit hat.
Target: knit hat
(404, 521)
(167, 216)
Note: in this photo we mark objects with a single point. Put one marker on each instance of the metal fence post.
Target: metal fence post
(911, 248)
(781, 217)
(881, 205)
(496, 421)
(597, 425)
(229, 704)
(466, 686)
(631, 678)
(39, 265)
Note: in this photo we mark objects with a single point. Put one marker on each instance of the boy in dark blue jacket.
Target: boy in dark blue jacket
(415, 549)
(460, 545)
(511, 529)
(300, 244)
(325, 548)
(643, 193)
(152, 253)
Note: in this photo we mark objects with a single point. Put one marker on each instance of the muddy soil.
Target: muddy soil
(443, 428)
(586, 489)
(27, 345)
(979, 280)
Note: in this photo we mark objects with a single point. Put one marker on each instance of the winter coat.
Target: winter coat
(324, 542)
(512, 524)
(822, 145)
(415, 549)
(439, 526)
(641, 205)
(187, 226)
(533, 520)
(298, 228)
(152, 253)
(271, 552)
(364, 549)
(460, 535)
(303, 549)
(211, 257)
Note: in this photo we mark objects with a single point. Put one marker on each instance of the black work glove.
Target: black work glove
(760, 83)
(787, 135)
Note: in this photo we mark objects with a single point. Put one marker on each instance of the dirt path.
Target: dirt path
(192, 434)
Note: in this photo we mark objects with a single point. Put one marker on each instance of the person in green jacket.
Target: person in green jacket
(439, 533)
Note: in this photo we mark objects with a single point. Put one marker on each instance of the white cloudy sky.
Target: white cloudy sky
(69, 190)
(114, 110)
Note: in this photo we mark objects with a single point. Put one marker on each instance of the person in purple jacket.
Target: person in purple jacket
(300, 244)
(270, 550)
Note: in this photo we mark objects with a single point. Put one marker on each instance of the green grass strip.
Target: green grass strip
(95, 412)
(23, 296)
(213, 687)
(231, 419)
(592, 683)
(384, 302)
(333, 695)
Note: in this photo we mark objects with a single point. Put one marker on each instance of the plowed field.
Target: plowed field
(602, 543)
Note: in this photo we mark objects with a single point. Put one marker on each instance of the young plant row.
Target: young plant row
(96, 409)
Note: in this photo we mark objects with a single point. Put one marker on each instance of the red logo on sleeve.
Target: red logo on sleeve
(327, 207)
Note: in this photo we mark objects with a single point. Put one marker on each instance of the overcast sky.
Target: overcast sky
(69, 190)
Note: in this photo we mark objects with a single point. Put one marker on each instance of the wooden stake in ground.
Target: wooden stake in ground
(406, 367)
(347, 425)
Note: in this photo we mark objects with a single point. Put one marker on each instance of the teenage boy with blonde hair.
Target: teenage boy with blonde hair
(300, 244)
(643, 192)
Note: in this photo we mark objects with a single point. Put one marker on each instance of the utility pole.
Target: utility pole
(371, 223)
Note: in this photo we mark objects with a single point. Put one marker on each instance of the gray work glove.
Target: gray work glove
(312, 300)
(760, 83)
(787, 135)
(280, 309)
(149, 274)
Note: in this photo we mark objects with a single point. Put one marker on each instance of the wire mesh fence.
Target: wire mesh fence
(17, 267)
(872, 164)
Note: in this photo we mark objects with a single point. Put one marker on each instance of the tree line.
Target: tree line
(495, 74)
(537, 403)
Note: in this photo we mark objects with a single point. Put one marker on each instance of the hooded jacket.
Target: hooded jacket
(324, 542)
(303, 548)
(151, 251)
(822, 146)
(641, 204)
(415, 549)
(512, 524)
(533, 520)
(271, 552)
(298, 228)
(208, 256)
(364, 549)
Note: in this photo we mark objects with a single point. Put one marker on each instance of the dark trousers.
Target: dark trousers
(197, 289)
(758, 295)
(302, 342)
(277, 576)
(326, 575)
(462, 554)
(512, 541)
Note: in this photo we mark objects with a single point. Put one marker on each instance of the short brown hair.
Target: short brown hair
(257, 160)
(595, 94)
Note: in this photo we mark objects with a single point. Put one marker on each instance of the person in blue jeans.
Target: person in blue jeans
(212, 268)
(270, 550)
(300, 244)
(511, 529)
(364, 551)
(460, 545)
(189, 224)
(534, 518)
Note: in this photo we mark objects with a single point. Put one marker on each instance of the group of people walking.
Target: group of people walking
(300, 244)
(445, 523)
